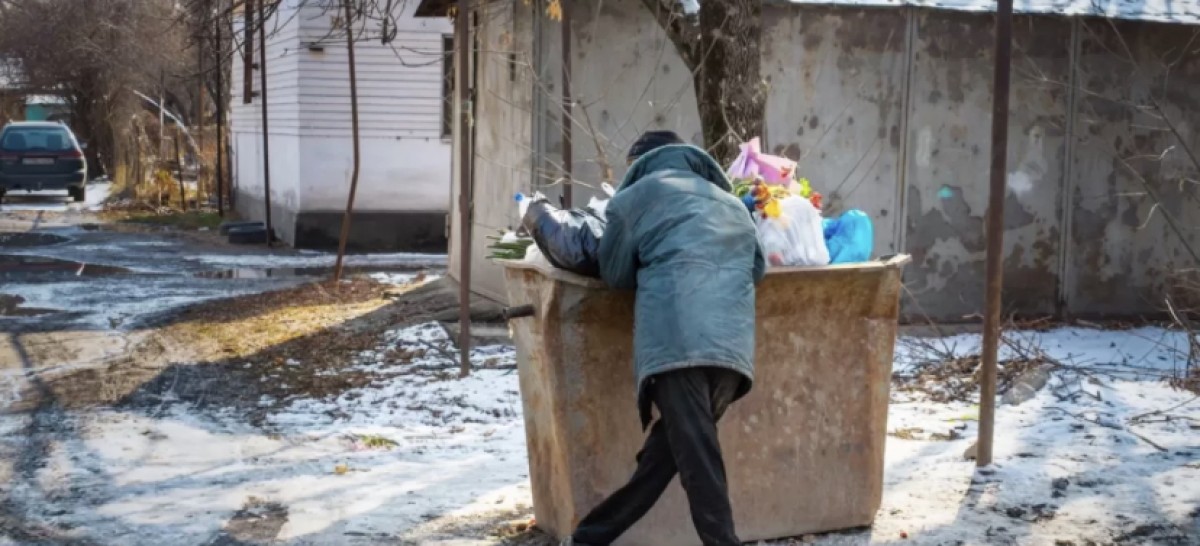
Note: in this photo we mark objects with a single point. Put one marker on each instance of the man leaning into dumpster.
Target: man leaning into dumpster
(688, 247)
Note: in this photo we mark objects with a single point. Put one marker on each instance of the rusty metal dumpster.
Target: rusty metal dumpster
(804, 449)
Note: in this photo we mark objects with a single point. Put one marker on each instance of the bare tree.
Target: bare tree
(94, 54)
(721, 45)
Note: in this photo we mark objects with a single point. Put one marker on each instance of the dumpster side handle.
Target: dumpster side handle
(518, 311)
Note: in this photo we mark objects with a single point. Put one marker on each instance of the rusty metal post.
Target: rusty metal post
(568, 152)
(995, 231)
(266, 132)
(462, 47)
(345, 235)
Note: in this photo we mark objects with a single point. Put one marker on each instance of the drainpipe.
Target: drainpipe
(248, 50)
(266, 133)
(462, 48)
(568, 152)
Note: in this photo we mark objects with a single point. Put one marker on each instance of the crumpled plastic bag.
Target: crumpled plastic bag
(569, 239)
(796, 237)
(849, 237)
(751, 163)
(598, 207)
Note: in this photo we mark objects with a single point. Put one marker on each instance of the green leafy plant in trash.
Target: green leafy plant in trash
(373, 441)
(970, 415)
(508, 246)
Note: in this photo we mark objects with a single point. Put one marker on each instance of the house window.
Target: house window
(447, 85)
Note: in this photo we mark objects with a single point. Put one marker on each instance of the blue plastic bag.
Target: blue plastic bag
(849, 237)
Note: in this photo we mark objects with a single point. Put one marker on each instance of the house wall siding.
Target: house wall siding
(405, 157)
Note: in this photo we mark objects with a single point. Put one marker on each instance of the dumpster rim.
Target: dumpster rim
(892, 262)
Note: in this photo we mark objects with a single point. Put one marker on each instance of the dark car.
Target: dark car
(37, 156)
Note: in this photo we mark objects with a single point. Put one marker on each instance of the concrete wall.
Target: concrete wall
(403, 190)
(946, 182)
(1121, 250)
(837, 105)
(504, 82)
(888, 110)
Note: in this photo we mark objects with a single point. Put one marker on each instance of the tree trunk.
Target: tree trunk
(723, 49)
(730, 92)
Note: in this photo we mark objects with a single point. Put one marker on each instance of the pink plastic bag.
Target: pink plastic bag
(751, 162)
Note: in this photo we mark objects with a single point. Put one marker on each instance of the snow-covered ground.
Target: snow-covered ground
(58, 201)
(1085, 459)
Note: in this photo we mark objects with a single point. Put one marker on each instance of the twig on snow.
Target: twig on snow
(1113, 426)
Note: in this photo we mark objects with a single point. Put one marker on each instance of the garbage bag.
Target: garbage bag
(569, 239)
(795, 237)
(598, 207)
(849, 237)
(751, 163)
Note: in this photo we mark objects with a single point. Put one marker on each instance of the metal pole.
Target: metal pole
(568, 153)
(995, 231)
(462, 31)
(179, 171)
(266, 133)
(337, 269)
(201, 191)
(248, 48)
(220, 68)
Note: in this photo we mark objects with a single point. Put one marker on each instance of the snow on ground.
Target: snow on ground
(1071, 464)
(384, 463)
(419, 444)
(318, 259)
(402, 279)
(58, 201)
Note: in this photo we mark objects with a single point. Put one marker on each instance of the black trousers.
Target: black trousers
(684, 440)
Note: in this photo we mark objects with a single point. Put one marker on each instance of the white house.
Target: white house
(404, 182)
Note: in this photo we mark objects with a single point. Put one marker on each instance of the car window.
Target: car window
(37, 139)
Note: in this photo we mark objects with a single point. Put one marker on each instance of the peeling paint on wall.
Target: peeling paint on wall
(838, 105)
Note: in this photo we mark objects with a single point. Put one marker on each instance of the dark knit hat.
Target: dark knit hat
(651, 140)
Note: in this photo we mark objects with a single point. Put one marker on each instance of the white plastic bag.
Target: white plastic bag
(598, 207)
(796, 237)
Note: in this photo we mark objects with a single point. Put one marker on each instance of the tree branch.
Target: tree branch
(685, 36)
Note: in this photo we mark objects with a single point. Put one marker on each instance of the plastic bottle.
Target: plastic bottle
(522, 204)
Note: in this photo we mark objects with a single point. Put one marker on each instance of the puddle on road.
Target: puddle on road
(15, 265)
(26, 239)
(10, 306)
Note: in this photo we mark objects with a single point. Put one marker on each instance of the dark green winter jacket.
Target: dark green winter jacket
(678, 236)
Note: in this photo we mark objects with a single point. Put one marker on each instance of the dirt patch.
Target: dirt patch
(957, 379)
(1156, 533)
(234, 353)
(506, 527)
(190, 220)
(258, 522)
